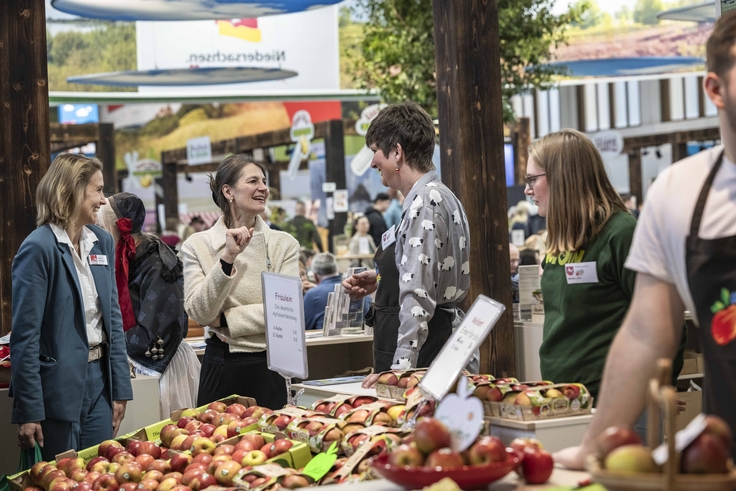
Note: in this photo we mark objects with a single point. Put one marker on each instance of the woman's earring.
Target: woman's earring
(231, 200)
(397, 169)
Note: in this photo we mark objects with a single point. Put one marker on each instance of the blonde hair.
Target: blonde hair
(62, 189)
(581, 198)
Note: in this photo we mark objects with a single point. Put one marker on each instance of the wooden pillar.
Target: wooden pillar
(335, 172)
(24, 130)
(523, 140)
(471, 142)
(106, 153)
(635, 185)
(171, 190)
(679, 148)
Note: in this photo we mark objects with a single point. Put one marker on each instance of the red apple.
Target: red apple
(258, 482)
(178, 442)
(234, 428)
(236, 409)
(180, 461)
(571, 392)
(445, 458)
(217, 461)
(360, 400)
(167, 484)
(537, 465)
(406, 455)
(716, 426)
(382, 418)
(91, 477)
(209, 416)
(225, 449)
(183, 422)
(281, 422)
(133, 446)
(226, 419)
(343, 409)
(430, 434)
(255, 438)
(193, 425)
(148, 484)
(488, 393)
(359, 416)
(128, 486)
(295, 481)
(705, 455)
(226, 471)
(218, 406)
(487, 450)
(614, 437)
(45, 478)
(388, 379)
(403, 383)
(83, 486)
(36, 470)
(160, 465)
(94, 461)
(155, 475)
(129, 472)
(144, 460)
(106, 482)
(202, 458)
(123, 457)
(207, 429)
(105, 447)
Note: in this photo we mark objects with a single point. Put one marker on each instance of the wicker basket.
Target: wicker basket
(662, 395)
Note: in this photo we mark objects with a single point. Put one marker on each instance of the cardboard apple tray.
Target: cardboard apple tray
(545, 407)
(661, 395)
(492, 408)
(392, 391)
(296, 457)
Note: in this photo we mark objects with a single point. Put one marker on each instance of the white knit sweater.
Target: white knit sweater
(208, 292)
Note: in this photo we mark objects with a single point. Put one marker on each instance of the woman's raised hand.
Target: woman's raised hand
(236, 240)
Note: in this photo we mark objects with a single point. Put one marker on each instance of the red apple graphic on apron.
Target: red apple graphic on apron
(723, 325)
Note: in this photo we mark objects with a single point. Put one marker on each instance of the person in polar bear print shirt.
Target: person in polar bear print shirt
(422, 264)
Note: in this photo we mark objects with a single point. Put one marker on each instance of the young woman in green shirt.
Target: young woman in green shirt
(585, 286)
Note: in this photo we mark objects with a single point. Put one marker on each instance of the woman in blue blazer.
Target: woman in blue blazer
(70, 377)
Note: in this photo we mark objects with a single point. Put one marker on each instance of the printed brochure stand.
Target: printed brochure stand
(283, 310)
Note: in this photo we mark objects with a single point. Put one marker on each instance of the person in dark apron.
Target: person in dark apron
(711, 271)
(384, 317)
(422, 264)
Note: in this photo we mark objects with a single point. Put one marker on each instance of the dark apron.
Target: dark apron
(711, 276)
(384, 315)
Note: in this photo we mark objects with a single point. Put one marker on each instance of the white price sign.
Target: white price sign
(283, 309)
(457, 351)
(199, 150)
(341, 200)
(328, 187)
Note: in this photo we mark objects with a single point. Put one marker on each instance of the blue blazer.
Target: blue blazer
(48, 343)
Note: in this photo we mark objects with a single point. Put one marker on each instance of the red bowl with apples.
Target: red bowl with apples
(467, 476)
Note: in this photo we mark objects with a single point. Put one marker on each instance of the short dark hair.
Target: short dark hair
(407, 124)
(196, 219)
(228, 172)
(718, 56)
(381, 197)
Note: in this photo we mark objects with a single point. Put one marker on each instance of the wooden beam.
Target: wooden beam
(635, 184)
(335, 172)
(24, 131)
(171, 191)
(637, 142)
(74, 132)
(106, 153)
(471, 142)
(523, 140)
(580, 93)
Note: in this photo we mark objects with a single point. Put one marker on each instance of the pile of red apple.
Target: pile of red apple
(620, 450)
(217, 423)
(338, 408)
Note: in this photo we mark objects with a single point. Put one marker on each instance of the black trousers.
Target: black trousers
(246, 374)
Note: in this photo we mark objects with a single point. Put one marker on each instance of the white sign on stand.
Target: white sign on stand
(283, 309)
(199, 150)
(457, 351)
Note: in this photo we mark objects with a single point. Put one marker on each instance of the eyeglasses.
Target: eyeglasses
(531, 179)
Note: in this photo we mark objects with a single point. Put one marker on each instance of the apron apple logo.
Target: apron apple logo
(723, 325)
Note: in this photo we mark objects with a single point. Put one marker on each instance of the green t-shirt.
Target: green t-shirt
(581, 320)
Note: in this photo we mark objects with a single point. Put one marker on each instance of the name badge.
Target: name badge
(581, 273)
(388, 237)
(97, 260)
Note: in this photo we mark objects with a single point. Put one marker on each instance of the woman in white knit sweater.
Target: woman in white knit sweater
(222, 285)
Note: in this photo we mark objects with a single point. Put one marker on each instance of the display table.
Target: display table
(327, 356)
(560, 477)
(142, 411)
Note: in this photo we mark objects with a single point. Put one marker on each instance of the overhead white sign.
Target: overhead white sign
(361, 162)
(305, 42)
(457, 351)
(301, 133)
(199, 150)
(609, 143)
(283, 309)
